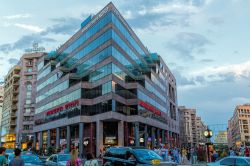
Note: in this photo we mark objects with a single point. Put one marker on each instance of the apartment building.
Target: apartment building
(10, 105)
(191, 128)
(239, 126)
(1, 103)
(19, 103)
(221, 138)
(27, 98)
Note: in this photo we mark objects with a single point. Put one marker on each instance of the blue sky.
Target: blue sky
(204, 42)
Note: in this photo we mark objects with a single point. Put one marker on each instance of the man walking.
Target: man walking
(3, 160)
(17, 161)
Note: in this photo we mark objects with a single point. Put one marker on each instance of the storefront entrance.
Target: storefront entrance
(110, 134)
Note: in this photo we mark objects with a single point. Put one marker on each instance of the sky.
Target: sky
(205, 43)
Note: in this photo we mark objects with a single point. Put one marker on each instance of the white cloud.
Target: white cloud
(29, 27)
(17, 16)
(238, 70)
(240, 100)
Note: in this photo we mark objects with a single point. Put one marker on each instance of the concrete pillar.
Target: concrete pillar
(137, 137)
(81, 129)
(57, 138)
(120, 133)
(163, 136)
(145, 135)
(153, 137)
(68, 138)
(34, 140)
(158, 137)
(99, 137)
(48, 138)
(40, 140)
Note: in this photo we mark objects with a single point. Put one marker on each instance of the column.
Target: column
(126, 134)
(153, 137)
(99, 137)
(68, 137)
(48, 138)
(57, 138)
(40, 140)
(81, 129)
(158, 137)
(163, 136)
(121, 133)
(137, 137)
(34, 140)
(145, 135)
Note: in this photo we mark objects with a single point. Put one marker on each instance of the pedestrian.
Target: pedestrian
(184, 155)
(3, 160)
(215, 156)
(231, 152)
(74, 160)
(163, 152)
(247, 152)
(90, 160)
(17, 161)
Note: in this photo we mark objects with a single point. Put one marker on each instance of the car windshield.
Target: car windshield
(64, 157)
(145, 154)
(9, 151)
(30, 159)
(248, 159)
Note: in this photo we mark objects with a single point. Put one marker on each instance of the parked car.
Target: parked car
(9, 151)
(31, 160)
(232, 161)
(135, 156)
(57, 160)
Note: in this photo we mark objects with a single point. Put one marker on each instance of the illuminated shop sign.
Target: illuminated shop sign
(62, 108)
(59, 112)
(150, 108)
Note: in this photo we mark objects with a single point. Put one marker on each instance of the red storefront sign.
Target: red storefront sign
(150, 108)
(61, 108)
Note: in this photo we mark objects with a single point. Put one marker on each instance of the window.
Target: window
(228, 161)
(29, 77)
(26, 127)
(28, 102)
(28, 94)
(27, 110)
(29, 69)
(29, 87)
(241, 162)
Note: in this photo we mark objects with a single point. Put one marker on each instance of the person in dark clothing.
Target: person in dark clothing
(17, 161)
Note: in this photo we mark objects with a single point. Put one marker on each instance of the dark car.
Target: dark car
(120, 156)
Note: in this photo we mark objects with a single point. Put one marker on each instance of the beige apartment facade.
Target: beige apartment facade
(10, 104)
(18, 109)
(1, 103)
(239, 126)
(191, 128)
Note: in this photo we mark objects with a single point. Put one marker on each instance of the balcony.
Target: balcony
(28, 64)
(13, 115)
(14, 99)
(12, 124)
(14, 107)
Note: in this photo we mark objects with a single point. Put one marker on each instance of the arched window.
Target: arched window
(29, 87)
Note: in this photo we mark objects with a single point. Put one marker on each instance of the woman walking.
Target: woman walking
(74, 160)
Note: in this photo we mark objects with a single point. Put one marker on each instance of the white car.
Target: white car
(232, 161)
(57, 160)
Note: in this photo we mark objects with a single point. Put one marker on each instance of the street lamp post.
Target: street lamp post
(208, 134)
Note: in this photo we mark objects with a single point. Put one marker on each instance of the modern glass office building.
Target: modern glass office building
(104, 88)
